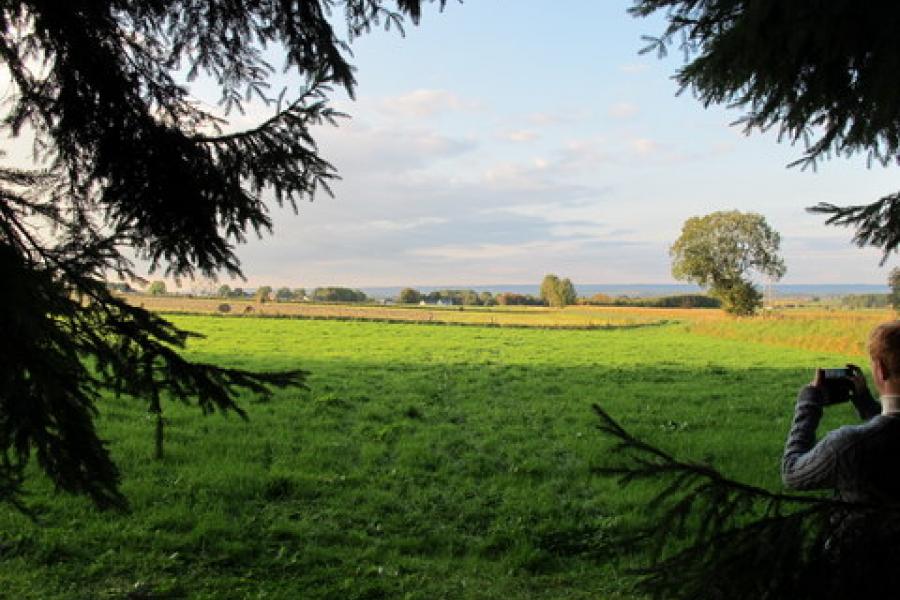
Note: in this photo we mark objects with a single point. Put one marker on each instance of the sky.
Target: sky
(501, 140)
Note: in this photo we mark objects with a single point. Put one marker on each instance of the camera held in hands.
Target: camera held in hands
(838, 385)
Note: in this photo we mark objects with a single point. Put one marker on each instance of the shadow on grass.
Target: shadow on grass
(393, 478)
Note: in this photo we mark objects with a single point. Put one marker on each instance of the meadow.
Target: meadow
(422, 461)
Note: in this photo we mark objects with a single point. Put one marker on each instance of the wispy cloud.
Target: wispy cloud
(576, 218)
(356, 148)
(383, 225)
(427, 103)
(494, 251)
(580, 230)
(559, 117)
(517, 174)
(520, 136)
(623, 110)
(633, 68)
(644, 146)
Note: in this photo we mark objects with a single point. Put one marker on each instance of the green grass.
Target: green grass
(423, 462)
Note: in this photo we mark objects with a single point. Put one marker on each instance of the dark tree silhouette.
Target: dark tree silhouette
(127, 158)
(822, 73)
(709, 537)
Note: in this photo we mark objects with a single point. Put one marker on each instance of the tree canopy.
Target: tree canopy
(409, 296)
(338, 294)
(557, 292)
(821, 73)
(719, 251)
(127, 158)
(894, 283)
(157, 288)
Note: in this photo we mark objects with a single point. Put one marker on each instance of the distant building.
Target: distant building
(438, 302)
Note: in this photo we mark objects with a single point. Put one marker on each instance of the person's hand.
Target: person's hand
(860, 387)
(819, 380)
(818, 383)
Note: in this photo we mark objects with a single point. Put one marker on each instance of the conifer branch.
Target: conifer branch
(708, 536)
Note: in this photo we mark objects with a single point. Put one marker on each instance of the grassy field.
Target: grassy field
(422, 462)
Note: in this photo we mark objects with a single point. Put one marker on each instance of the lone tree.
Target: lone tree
(263, 294)
(894, 283)
(821, 73)
(157, 288)
(557, 292)
(129, 158)
(567, 292)
(719, 251)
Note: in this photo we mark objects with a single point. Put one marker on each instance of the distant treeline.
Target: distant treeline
(866, 300)
(676, 301)
(449, 297)
(511, 299)
(338, 294)
(473, 298)
(468, 297)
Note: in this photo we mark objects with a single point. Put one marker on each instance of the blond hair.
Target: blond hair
(884, 346)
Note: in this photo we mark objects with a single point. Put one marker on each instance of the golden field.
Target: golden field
(820, 329)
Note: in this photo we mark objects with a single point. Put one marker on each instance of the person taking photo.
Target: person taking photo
(859, 462)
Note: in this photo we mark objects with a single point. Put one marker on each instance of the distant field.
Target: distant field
(534, 316)
(843, 331)
(422, 462)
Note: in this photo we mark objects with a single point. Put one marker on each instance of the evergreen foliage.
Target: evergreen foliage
(128, 158)
(821, 73)
(715, 538)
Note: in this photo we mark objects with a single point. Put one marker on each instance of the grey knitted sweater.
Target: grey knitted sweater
(860, 462)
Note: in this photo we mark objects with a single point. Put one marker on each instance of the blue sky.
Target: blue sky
(501, 140)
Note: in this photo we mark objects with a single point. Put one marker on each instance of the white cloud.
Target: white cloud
(574, 217)
(520, 136)
(513, 174)
(633, 68)
(644, 146)
(382, 225)
(494, 251)
(404, 225)
(584, 154)
(623, 110)
(547, 118)
(580, 231)
(426, 103)
(355, 148)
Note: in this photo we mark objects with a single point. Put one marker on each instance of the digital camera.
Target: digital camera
(838, 385)
(837, 373)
